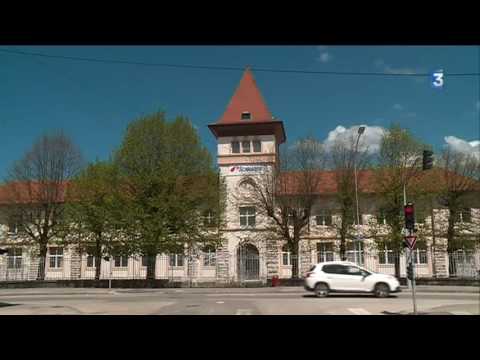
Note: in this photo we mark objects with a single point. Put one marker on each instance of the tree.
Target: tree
(398, 163)
(344, 157)
(285, 194)
(167, 180)
(460, 172)
(89, 220)
(36, 186)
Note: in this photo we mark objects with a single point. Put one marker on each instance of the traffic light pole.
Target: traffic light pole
(412, 266)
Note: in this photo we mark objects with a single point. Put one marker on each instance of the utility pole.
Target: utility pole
(361, 130)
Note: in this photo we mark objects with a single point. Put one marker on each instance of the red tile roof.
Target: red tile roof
(247, 97)
(26, 193)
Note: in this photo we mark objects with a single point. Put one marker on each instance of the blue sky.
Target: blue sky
(94, 102)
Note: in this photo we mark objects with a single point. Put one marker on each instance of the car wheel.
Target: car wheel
(321, 290)
(382, 290)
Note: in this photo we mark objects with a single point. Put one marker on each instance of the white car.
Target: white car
(344, 276)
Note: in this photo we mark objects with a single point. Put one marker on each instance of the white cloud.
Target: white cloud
(325, 57)
(369, 140)
(397, 107)
(463, 146)
(380, 63)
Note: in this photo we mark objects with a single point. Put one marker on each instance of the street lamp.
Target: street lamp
(361, 130)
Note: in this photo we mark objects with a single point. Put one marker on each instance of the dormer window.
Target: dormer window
(246, 115)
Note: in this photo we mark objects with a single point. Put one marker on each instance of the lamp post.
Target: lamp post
(361, 130)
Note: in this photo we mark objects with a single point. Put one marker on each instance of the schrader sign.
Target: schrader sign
(246, 169)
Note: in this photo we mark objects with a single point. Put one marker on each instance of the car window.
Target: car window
(352, 270)
(333, 269)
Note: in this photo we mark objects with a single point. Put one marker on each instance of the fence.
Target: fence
(232, 268)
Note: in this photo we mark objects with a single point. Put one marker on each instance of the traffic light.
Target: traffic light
(409, 272)
(427, 159)
(3, 251)
(409, 217)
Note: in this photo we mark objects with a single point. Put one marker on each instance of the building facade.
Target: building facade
(248, 140)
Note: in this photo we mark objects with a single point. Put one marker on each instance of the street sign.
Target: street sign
(411, 241)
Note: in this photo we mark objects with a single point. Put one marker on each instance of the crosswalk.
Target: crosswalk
(359, 311)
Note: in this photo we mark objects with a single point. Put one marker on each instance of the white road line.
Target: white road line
(460, 313)
(243, 312)
(220, 302)
(359, 311)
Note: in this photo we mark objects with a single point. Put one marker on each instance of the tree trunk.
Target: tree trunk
(294, 256)
(451, 231)
(151, 265)
(98, 259)
(42, 261)
(396, 254)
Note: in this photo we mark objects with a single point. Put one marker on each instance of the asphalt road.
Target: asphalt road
(237, 301)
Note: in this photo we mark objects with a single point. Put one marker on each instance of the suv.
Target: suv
(344, 276)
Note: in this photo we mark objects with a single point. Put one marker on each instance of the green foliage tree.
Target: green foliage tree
(167, 181)
(399, 162)
(89, 221)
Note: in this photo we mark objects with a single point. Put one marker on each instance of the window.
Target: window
(247, 216)
(355, 252)
(246, 146)
(144, 259)
(286, 256)
(324, 218)
(464, 216)
(246, 115)
(56, 257)
(257, 146)
(120, 261)
(420, 253)
(14, 223)
(352, 270)
(334, 269)
(208, 218)
(176, 260)
(209, 258)
(90, 257)
(385, 256)
(381, 218)
(325, 252)
(360, 219)
(14, 258)
(420, 217)
(235, 147)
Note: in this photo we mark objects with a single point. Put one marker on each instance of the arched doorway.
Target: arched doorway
(248, 262)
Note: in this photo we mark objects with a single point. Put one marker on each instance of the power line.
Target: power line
(234, 68)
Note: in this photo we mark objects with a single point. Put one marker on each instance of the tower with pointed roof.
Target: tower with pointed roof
(248, 139)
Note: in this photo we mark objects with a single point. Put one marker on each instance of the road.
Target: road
(231, 301)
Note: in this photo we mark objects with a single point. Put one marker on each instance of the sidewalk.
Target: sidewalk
(280, 289)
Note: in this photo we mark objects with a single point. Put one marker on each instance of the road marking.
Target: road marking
(220, 302)
(359, 311)
(460, 313)
(243, 312)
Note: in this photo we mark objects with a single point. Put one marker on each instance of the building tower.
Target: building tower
(248, 138)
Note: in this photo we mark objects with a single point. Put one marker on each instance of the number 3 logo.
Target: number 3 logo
(438, 79)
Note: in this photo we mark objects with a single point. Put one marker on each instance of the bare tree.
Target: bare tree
(460, 172)
(285, 194)
(36, 187)
(344, 156)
